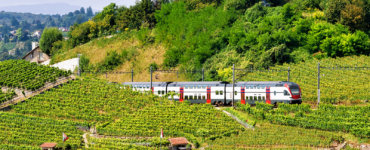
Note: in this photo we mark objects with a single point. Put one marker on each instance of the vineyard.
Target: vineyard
(175, 119)
(123, 112)
(352, 119)
(341, 80)
(19, 131)
(6, 96)
(25, 75)
(266, 135)
(86, 100)
(131, 143)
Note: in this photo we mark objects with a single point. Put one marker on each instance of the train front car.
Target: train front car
(285, 92)
(295, 94)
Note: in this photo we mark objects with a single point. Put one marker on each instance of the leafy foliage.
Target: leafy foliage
(26, 75)
(49, 36)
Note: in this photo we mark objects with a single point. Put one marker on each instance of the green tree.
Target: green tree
(332, 9)
(48, 37)
(14, 22)
(89, 12)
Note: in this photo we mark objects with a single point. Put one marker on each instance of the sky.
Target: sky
(95, 4)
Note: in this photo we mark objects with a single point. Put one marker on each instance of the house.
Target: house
(48, 146)
(36, 34)
(12, 52)
(36, 55)
(179, 143)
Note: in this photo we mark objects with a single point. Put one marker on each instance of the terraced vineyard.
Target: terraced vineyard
(352, 119)
(19, 131)
(266, 136)
(25, 75)
(85, 100)
(338, 83)
(122, 112)
(6, 96)
(132, 143)
(175, 119)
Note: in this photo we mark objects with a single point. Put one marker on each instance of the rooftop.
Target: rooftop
(178, 141)
(48, 145)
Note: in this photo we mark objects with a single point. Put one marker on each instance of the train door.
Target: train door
(268, 98)
(181, 94)
(208, 95)
(242, 95)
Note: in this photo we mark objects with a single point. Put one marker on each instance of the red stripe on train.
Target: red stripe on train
(268, 99)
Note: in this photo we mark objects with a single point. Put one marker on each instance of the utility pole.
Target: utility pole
(318, 84)
(132, 75)
(151, 79)
(202, 74)
(79, 65)
(288, 74)
(233, 83)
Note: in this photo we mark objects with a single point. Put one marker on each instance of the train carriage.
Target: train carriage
(221, 93)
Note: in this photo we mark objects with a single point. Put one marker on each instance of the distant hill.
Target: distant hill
(51, 8)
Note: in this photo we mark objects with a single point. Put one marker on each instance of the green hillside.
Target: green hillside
(249, 33)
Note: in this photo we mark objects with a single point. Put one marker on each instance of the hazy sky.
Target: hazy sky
(95, 4)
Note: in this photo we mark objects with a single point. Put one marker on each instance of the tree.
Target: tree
(48, 37)
(14, 21)
(353, 15)
(89, 12)
(82, 10)
(333, 8)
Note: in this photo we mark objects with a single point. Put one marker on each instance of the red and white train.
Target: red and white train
(221, 93)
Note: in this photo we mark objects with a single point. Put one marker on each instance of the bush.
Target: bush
(49, 36)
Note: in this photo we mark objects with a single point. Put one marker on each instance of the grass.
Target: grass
(139, 59)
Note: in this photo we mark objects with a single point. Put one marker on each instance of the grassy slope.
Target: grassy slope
(140, 59)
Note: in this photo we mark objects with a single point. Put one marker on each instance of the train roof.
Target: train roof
(264, 83)
(212, 83)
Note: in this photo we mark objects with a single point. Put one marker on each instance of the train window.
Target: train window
(255, 97)
(203, 97)
(163, 92)
(286, 93)
(275, 93)
(235, 92)
(263, 98)
(259, 98)
(246, 98)
(186, 87)
(186, 97)
(250, 97)
(221, 92)
(191, 97)
(216, 92)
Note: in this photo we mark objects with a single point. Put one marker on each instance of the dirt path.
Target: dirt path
(237, 119)
(85, 140)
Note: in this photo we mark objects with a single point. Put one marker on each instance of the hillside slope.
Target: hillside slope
(134, 54)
